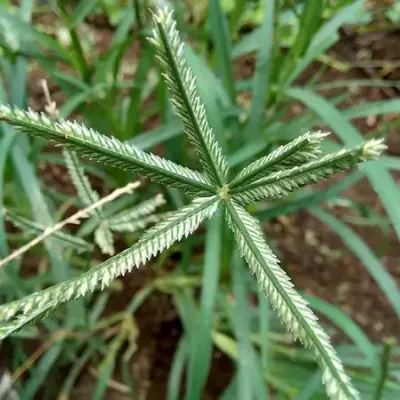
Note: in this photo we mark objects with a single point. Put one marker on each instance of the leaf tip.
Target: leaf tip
(372, 149)
(320, 135)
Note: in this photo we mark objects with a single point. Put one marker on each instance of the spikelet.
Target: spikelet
(299, 151)
(106, 149)
(161, 236)
(188, 105)
(291, 308)
(284, 181)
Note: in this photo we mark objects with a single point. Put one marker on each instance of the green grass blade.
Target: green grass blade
(264, 318)
(307, 199)
(78, 52)
(345, 324)
(391, 162)
(160, 134)
(75, 372)
(384, 367)
(5, 147)
(327, 36)
(21, 38)
(9, 272)
(222, 44)
(82, 10)
(380, 178)
(146, 61)
(372, 108)
(89, 93)
(230, 391)
(107, 366)
(236, 15)
(250, 381)
(311, 386)
(360, 111)
(309, 23)
(366, 256)
(109, 63)
(261, 75)
(200, 355)
(42, 371)
(249, 43)
(354, 84)
(177, 370)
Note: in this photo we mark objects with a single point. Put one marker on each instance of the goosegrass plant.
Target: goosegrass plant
(282, 171)
(245, 133)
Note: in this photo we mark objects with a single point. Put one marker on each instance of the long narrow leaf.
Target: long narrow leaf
(364, 253)
(250, 374)
(345, 323)
(263, 68)
(327, 35)
(200, 347)
(222, 43)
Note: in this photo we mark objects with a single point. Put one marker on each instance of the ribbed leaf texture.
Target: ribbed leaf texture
(158, 238)
(136, 212)
(14, 325)
(268, 192)
(82, 185)
(292, 309)
(35, 228)
(280, 183)
(184, 97)
(104, 238)
(137, 224)
(299, 151)
(105, 149)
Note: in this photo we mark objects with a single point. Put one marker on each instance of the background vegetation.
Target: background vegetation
(192, 323)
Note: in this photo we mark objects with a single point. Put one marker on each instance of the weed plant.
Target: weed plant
(246, 156)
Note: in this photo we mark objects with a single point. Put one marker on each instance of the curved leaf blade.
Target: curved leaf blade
(359, 248)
